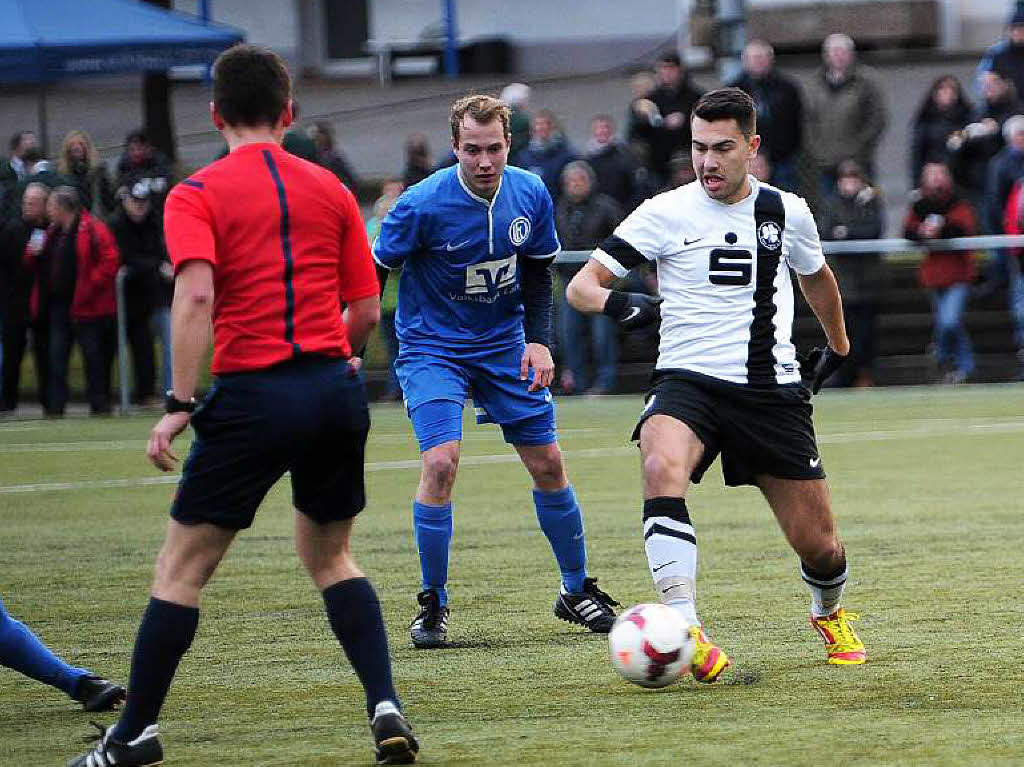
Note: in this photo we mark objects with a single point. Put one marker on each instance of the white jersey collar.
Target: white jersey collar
(465, 187)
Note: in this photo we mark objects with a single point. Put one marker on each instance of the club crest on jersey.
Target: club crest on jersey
(769, 235)
(519, 230)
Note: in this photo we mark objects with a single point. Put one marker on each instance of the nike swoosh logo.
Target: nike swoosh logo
(632, 313)
(462, 244)
(815, 463)
(578, 536)
(690, 242)
(655, 569)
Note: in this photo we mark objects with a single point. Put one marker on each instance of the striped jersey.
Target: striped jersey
(723, 271)
(287, 246)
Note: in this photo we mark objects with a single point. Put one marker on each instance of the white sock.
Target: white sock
(826, 591)
(671, 548)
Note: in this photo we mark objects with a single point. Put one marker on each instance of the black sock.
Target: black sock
(354, 614)
(165, 635)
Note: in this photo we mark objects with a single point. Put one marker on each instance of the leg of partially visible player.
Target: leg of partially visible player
(186, 562)
(803, 510)
(669, 452)
(353, 611)
(558, 512)
(23, 651)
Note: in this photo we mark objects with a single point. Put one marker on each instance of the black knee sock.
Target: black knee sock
(354, 614)
(165, 634)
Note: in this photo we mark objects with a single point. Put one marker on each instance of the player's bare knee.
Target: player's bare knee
(662, 470)
(547, 468)
(440, 465)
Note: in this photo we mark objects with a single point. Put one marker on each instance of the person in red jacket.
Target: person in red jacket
(937, 212)
(1013, 223)
(75, 288)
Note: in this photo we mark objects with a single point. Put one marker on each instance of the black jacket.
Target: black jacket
(780, 112)
(663, 140)
(143, 251)
(614, 167)
(15, 278)
(583, 225)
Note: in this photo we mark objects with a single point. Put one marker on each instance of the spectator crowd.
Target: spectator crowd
(67, 226)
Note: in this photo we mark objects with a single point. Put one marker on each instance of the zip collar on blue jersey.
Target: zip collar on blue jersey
(488, 203)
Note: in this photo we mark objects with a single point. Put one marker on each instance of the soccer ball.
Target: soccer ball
(650, 645)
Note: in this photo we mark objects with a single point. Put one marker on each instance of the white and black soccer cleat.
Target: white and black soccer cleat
(96, 694)
(143, 751)
(393, 740)
(430, 626)
(591, 607)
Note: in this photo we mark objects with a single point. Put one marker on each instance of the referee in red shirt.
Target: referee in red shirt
(268, 247)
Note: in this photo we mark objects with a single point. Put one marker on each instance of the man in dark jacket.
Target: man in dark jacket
(78, 266)
(666, 127)
(584, 218)
(1004, 170)
(140, 242)
(611, 161)
(21, 242)
(142, 161)
(779, 111)
(1007, 56)
(547, 153)
(982, 138)
(855, 212)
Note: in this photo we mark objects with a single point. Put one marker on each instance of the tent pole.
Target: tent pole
(44, 131)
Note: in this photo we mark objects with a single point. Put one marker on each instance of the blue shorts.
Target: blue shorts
(436, 389)
(308, 416)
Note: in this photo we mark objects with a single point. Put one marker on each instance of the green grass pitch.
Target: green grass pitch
(928, 490)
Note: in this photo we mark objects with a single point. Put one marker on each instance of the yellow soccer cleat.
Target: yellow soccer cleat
(708, 660)
(842, 645)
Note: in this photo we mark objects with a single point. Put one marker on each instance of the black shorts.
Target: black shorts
(757, 431)
(308, 416)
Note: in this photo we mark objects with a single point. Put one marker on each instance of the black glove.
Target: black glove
(819, 364)
(633, 310)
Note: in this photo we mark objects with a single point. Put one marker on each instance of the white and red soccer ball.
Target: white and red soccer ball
(650, 645)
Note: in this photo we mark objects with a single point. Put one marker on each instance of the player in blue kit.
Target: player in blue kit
(476, 242)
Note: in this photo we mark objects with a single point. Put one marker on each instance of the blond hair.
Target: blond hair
(483, 109)
(91, 156)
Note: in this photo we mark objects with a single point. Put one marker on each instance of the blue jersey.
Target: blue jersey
(459, 293)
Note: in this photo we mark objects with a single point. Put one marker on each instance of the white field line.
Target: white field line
(944, 427)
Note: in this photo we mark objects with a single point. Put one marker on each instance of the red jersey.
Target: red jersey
(287, 245)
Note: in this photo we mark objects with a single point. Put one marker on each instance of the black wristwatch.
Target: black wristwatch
(174, 405)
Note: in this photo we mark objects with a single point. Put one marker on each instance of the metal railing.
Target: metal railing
(893, 245)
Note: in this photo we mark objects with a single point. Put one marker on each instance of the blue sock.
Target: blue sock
(165, 634)
(434, 525)
(562, 522)
(354, 614)
(22, 651)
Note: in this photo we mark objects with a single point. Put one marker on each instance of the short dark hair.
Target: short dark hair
(728, 104)
(670, 57)
(137, 136)
(16, 139)
(251, 86)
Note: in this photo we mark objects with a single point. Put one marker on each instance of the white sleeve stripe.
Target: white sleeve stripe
(609, 263)
(381, 264)
(549, 255)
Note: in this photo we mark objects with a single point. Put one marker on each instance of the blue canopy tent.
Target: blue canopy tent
(45, 40)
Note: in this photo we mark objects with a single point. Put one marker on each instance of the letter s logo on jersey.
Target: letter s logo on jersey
(519, 230)
(488, 277)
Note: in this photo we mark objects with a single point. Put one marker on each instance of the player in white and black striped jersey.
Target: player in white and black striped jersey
(728, 380)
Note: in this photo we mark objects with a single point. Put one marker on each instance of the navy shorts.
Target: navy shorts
(757, 431)
(307, 416)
